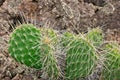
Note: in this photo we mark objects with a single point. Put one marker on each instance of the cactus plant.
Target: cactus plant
(95, 36)
(111, 70)
(66, 38)
(50, 64)
(35, 48)
(23, 45)
(80, 58)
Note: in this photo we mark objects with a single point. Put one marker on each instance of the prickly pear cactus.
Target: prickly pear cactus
(80, 59)
(66, 38)
(24, 45)
(95, 36)
(49, 36)
(111, 69)
(35, 48)
(50, 64)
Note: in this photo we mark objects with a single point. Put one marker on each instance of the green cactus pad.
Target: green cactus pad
(95, 36)
(24, 45)
(80, 59)
(50, 65)
(49, 36)
(111, 70)
(66, 38)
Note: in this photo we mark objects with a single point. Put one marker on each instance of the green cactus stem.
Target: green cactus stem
(80, 58)
(111, 70)
(66, 38)
(35, 48)
(95, 36)
(23, 45)
(48, 48)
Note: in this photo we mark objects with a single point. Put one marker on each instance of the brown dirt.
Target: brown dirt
(75, 15)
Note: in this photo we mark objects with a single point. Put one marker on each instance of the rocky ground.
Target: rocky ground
(74, 15)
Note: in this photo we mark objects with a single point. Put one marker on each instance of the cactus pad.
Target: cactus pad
(95, 36)
(24, 45)
(66, 38)
(111, 70)
(48, 48)
(80, 59)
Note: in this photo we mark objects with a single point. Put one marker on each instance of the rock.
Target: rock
(28, 77)
(6, 78)
(108, 9)
(1, 2)
(17, 77)
(96, 2)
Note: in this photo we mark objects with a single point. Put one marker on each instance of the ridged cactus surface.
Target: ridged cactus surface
(80, 59)
(24, 45)
(111, 69)
(95, 36)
